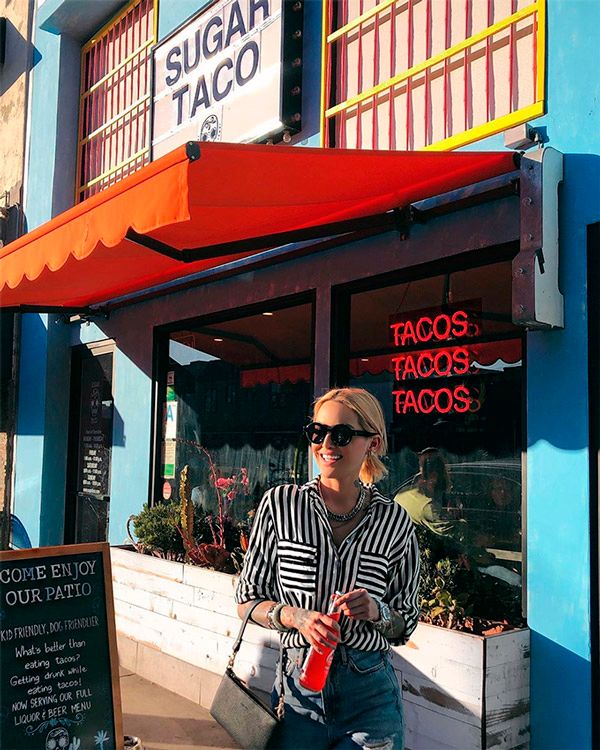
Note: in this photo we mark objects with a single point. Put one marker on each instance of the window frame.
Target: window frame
(160, 365)
(341, 296)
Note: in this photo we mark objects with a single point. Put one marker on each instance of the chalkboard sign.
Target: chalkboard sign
(59, 678)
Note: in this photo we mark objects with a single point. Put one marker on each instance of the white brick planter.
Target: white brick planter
(176, 625)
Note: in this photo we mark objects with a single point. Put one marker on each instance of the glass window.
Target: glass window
(444, 358)
(237, 393)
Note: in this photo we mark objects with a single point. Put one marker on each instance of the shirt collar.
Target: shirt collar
(376, 497)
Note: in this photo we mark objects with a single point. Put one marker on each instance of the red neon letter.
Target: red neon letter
(396, 328)
(442, 327)
(446, 367)
(461, 360)
(460, 319)
(424, 334)
(398, 403)
(410, 404)
(409, 333)
(461, 395)
(443, 409)
(425, 401)
(425, 358)
(397, 362)
(410, 368)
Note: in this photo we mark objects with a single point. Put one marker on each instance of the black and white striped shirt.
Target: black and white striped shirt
(292, 558)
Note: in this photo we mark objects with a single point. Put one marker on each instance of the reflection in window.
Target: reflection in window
(444, 358)
(237, 393)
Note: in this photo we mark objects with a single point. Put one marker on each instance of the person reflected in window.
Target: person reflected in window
(500, 525)
(428, 501)
(337, 533)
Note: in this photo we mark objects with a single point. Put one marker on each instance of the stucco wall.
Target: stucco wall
(14, 77)
(13, 94)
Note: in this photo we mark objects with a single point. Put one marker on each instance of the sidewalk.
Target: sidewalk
(165, 721)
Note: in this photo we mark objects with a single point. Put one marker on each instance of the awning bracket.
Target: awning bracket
(151, 244)
(536, 298)
(379, 222)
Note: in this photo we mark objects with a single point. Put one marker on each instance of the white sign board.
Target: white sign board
(219, 77)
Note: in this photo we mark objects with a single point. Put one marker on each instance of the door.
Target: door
(90, 445)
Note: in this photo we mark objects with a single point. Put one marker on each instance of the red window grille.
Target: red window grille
(115, 99)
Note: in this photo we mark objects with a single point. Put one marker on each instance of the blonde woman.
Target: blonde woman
(337, 533)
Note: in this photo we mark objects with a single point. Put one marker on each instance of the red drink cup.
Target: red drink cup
(316, 667)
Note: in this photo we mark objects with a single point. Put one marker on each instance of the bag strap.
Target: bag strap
(236, 647)
(238, 640)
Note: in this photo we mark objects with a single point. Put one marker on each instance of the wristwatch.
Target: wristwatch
(385, 615)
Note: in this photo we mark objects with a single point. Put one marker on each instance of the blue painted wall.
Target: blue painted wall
(558, 499)
(558, 492)
(30, 425)
(558, 532)
(44, 372)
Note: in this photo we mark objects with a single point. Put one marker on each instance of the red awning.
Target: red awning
(207, 204)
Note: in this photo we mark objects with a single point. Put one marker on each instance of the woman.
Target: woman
(337, 533)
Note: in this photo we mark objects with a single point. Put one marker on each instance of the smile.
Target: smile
(329, 458)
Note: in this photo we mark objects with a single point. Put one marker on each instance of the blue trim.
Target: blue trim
(76, 19)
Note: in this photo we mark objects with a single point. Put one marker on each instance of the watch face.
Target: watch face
(384, 613)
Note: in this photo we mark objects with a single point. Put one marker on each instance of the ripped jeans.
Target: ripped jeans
(359, 707)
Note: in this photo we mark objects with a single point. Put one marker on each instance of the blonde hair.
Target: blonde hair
(370, 417)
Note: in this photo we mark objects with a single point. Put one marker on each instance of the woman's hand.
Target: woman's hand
(358, 605)
(319, 629)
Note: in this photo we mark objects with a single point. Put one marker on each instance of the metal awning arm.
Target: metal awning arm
(536, 298)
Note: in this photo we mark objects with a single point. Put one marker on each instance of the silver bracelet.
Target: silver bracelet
(269, 617)
(276, 618)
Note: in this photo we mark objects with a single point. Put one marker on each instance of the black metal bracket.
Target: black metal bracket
(536, 298)
(151, 244)
(192, 150)
(83, 316)
(379, 222)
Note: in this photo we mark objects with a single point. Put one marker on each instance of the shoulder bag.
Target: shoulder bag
(238, 710)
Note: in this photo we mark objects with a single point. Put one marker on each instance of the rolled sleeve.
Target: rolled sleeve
(257, 579)
(403, 594)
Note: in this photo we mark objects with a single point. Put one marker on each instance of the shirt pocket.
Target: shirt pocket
(297, 566)
(372, 573)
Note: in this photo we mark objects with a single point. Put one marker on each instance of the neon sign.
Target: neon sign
(427, 328)
(446, 361)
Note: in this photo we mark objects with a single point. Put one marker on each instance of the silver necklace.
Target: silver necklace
(341, 517)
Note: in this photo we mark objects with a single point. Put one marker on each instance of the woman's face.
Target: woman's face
(340, 462)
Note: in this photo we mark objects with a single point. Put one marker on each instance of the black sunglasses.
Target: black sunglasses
(341, 434)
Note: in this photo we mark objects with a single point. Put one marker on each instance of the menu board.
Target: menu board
(95, 425)
(59, 676)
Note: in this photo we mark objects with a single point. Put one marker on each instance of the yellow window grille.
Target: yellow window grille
(429, 74)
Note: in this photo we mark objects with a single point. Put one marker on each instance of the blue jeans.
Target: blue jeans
(359, 707)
